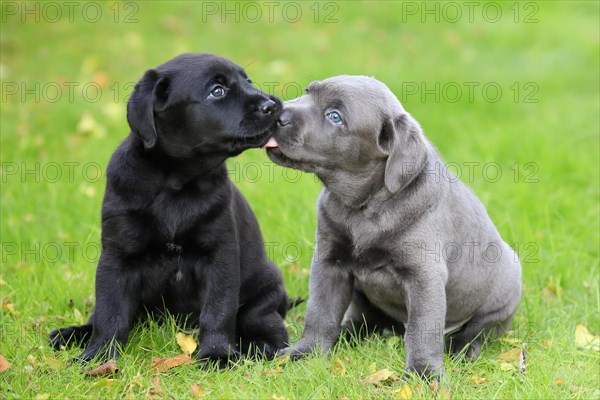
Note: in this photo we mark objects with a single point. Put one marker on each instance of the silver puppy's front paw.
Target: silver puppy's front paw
(297, 351)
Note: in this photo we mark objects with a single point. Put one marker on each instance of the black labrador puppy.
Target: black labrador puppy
(177, 234)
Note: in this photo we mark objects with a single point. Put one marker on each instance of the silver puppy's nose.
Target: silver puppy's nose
(267, 107)
(283, 122)
(284, 119)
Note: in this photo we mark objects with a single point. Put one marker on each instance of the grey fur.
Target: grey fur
(398, 243)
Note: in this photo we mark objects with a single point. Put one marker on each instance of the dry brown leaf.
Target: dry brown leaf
(4, 364)
(404, 393)
(156, 388)
(163, 364)
(186, 342)
(196, 391)
(585, 340)
(559, 381)
(338, 367)
(434, 385)
(108, 368)
(478, 380)
(380, 376)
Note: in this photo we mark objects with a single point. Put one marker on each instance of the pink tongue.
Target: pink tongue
(271, 143)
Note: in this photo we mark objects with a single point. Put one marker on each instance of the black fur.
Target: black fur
(176, 233)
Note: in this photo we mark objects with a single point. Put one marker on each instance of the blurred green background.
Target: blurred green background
(507, 91)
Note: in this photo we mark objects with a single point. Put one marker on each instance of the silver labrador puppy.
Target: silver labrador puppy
(401, 242)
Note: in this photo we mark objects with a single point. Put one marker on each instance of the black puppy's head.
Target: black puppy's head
(199, 104)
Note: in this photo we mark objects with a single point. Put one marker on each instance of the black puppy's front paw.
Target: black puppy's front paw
(71, 335)
(223, 358)
(102, 353)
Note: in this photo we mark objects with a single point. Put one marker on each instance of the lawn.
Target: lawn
(507, 91)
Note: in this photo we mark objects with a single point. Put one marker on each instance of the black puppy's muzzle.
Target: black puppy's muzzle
(268, 107)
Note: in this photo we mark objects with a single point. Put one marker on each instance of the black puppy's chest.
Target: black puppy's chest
(181, 218)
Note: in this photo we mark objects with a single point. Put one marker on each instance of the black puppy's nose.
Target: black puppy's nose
(268, 107)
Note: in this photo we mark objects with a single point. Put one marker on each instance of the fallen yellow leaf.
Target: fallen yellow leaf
(42, 396)
(105, 382)
(404, 392)
(511, 341)
(478, 380)
(338, 367)
(507, 366)
(445, 393)
(8, 306)
(585, 340)
(196, 391)
(31, 360)
(510, 355)
(186, 342)
(274, 372)
(51, 362)
(559, 381)
(282, 360)
(381, 376)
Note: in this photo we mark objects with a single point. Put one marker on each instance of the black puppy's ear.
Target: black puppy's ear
(403, 142)
(150, 93)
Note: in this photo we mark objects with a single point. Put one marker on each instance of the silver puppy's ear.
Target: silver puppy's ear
(401, 139)
(150, 91)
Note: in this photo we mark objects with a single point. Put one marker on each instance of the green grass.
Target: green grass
(553, 223)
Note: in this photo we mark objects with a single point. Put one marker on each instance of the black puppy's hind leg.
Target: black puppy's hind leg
(117, 302)
(261, 326)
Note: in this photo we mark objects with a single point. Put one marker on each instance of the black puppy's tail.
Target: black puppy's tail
(294, 302)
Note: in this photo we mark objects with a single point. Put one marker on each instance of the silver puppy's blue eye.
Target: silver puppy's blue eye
(217, 91)
(335, 117)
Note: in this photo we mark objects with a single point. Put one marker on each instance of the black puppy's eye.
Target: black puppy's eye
(335, 117)
(217, 92)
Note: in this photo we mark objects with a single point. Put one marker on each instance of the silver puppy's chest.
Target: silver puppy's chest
(383, 287)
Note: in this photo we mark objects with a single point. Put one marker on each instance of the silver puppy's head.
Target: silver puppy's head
(350, 127)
